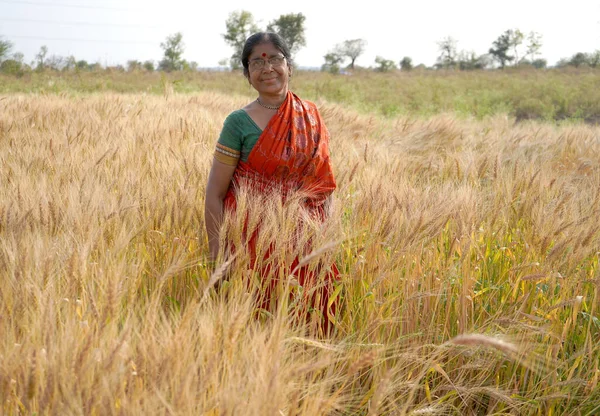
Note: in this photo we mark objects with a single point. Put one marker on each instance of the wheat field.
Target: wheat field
(468, 252)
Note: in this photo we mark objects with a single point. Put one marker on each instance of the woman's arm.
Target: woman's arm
(216, 189)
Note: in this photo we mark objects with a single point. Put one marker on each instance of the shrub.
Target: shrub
(384, 65)
(12, 67)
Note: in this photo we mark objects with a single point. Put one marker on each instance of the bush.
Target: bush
(530, 109)
(149, 66)
(385, 65)
(540, 63)
(12, 67)
(406, 64)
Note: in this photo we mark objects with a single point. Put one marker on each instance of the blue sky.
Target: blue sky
(112, 32)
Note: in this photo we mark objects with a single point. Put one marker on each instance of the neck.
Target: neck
(272, 100)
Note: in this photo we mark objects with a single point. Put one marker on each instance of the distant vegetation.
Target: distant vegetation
(512, 48)
(561, 95)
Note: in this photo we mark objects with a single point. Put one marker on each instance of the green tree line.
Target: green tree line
(511, 48)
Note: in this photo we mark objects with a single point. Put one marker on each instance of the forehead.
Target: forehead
(266, 48)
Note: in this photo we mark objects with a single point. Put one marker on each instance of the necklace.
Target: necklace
(270, 107)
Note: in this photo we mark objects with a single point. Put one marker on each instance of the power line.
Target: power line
(85, 40)
(75, 6)
(9, 19)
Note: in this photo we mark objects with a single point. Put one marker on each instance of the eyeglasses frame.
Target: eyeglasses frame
(265, 62)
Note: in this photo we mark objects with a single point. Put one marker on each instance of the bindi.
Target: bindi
(264, 54)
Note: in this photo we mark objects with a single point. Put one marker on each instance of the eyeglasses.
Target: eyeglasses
(258, 64)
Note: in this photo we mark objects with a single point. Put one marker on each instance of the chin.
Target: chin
(271, 83)
(279, 89)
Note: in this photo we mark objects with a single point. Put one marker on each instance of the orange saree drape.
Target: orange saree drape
(290, 157)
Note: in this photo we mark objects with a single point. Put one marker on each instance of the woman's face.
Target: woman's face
(273, 77)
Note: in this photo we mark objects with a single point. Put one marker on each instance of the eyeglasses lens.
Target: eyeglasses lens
(257, 64)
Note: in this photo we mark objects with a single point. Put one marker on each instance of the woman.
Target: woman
(275, 147)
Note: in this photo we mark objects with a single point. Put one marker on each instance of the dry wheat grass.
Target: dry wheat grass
(442, 228)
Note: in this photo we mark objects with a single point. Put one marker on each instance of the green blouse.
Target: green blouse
(239, 134)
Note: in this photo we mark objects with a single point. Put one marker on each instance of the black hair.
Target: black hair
(264, 37)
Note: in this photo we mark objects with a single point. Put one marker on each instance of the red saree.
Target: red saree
(290, 161)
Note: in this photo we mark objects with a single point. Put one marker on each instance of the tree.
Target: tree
(516, 39)
(594, 59)
(562, 63)
(82, 65)
(384, 65)
(469, 61)
(351, 49)
(173, 49)
(501, 47)
(149, 65)
(19, 57)
(12, 67)
(41, 57)
(332, 62)
(579, 59)
(539, 63)
(190, 66)
(133, 65)
(69, 63)
(56, 62)
(534, 44)
(447, 48)
(406, 64)
(5, 48)
(223, 62)
(240, 25)
(291, 28)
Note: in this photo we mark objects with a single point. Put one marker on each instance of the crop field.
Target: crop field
(465, 226)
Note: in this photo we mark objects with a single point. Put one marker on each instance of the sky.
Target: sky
(114, 31)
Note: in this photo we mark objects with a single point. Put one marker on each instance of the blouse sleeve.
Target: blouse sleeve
(229, 145)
